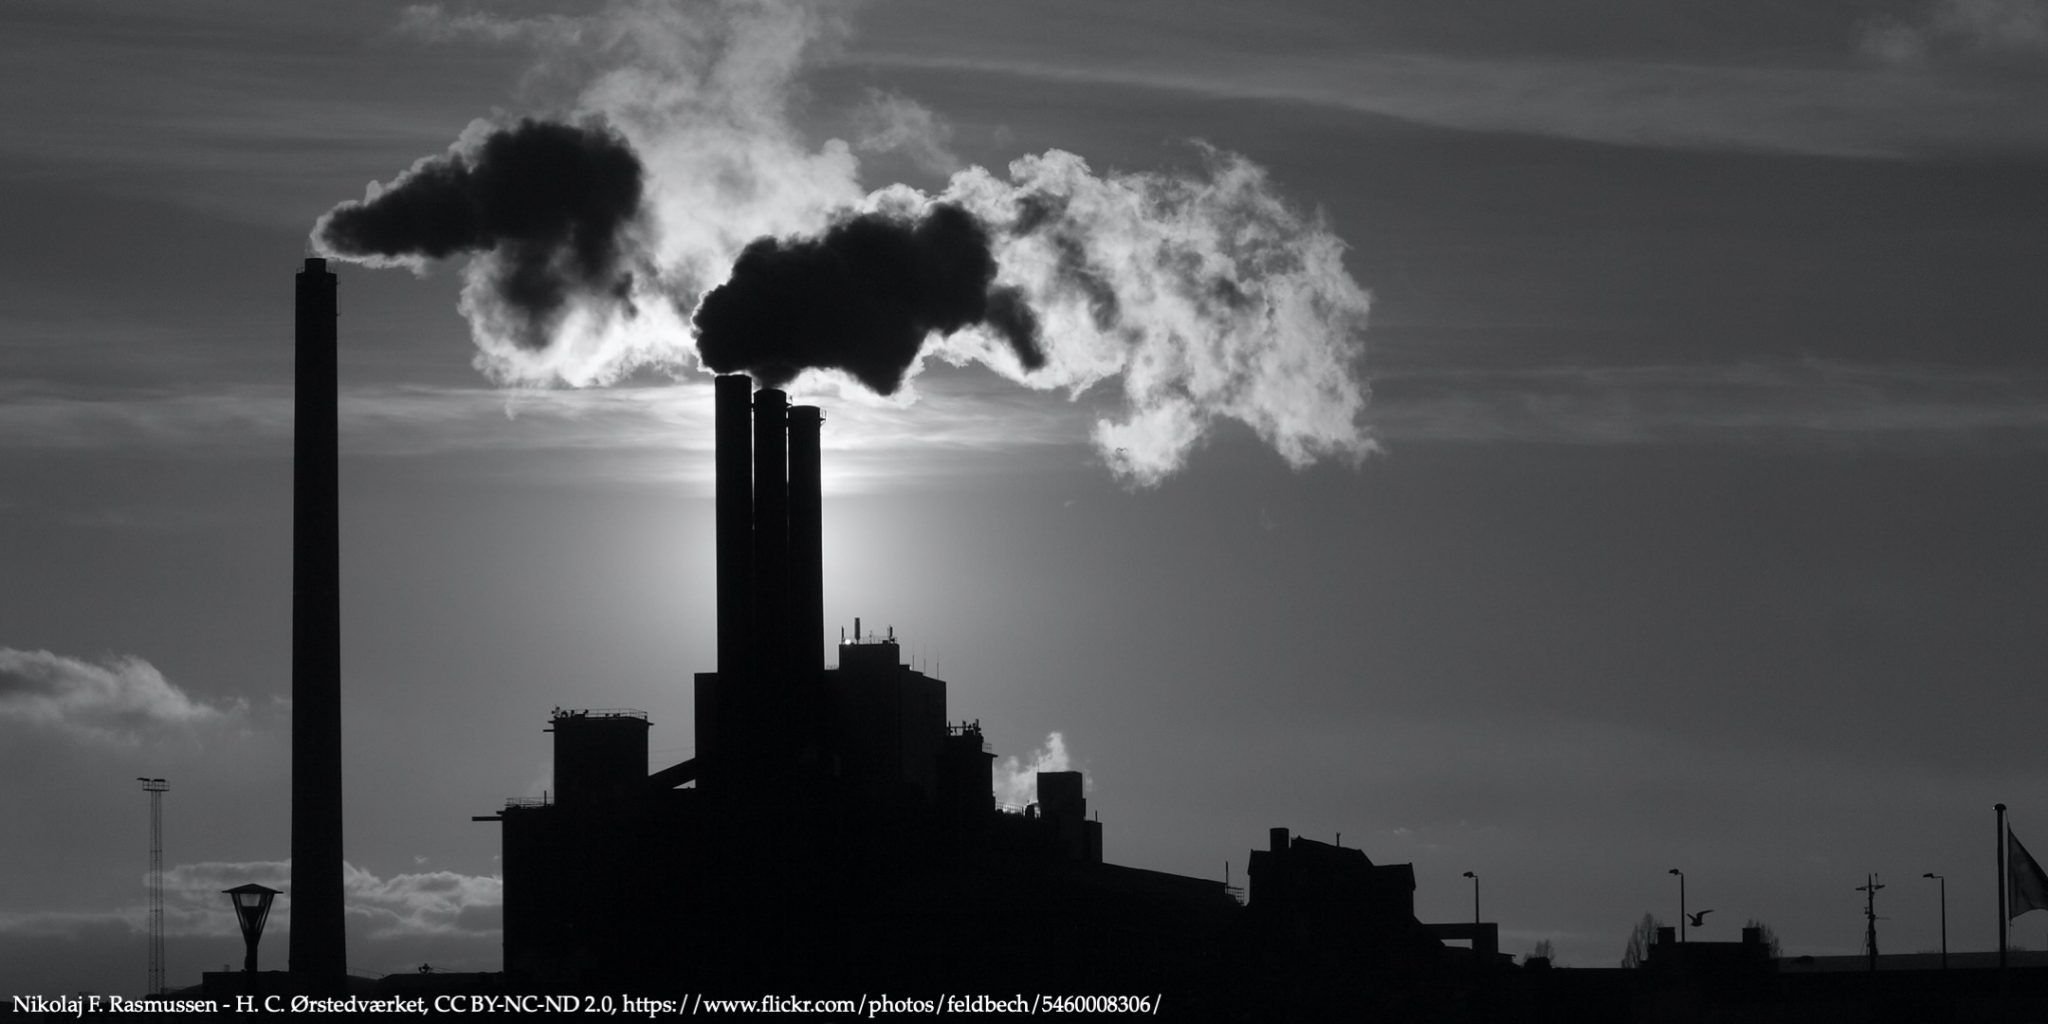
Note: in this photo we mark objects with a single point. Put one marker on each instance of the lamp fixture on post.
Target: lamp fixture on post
(1943, 879)
(252, 909)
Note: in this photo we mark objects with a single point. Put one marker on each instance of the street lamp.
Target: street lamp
(1943, 879)
(1475, 896)
(1681, 903)
(252, 908)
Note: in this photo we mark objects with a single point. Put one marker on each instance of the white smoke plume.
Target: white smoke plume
(1203, 295)
(1016, 781)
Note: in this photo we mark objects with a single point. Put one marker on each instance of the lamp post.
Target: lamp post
(252, 909)
(1681, 903)
(1475, 896)
(1943, 879)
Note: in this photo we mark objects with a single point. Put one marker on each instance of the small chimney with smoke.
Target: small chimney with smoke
(771, 616)
(319, 953)
(806, 545)
(734, 464)
(771, 534)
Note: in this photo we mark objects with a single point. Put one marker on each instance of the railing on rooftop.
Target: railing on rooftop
(969, 729)
(561, 713)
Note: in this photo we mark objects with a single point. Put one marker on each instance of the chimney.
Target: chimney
(806, 629)
(734, 464)
(771, 535)
(319, 953)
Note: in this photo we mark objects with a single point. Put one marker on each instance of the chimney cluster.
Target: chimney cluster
(771, 577)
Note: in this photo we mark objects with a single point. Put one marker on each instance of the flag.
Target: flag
(2026, 883)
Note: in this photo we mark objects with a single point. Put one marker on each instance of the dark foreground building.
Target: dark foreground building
(837, 833)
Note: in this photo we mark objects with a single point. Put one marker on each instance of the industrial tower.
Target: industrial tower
(156, 789)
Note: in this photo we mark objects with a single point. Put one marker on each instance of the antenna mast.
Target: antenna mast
(1869, 890)
(156, 788)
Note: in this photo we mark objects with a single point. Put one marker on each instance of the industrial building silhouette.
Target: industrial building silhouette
(837, 832)
(836, 828)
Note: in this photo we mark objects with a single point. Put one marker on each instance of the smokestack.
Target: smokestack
(319, 953)
(771, 534)
(735, 467)
(806, 546)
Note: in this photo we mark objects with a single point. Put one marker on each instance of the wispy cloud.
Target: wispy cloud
(1958, 30)
(659, 433)
(1749, 403)
(430, 903)
(426, 903)
(1826, 111)
(32, 419)
(119, 696)
(207, 111)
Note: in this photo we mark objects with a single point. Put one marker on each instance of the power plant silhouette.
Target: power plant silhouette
(836, 828)
(836, 831)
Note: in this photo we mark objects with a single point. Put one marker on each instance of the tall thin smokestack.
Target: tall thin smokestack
(735, 467)
(806, 546)
(319, 951)
(771, 534)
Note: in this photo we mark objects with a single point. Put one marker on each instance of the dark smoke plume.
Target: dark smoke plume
(1038, 213)
(553, 207)
(861, 298)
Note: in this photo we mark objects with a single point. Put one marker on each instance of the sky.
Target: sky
(1632, 458)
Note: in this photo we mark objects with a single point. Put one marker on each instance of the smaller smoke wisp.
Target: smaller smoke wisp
(1016, 781)
(552, 211)
(862, 297)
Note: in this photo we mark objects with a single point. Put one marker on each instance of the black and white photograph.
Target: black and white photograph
(1381, 510)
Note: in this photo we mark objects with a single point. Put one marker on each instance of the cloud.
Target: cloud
(451, 920)
(429, 903)
(1946, 29)
(625, 434)
(118, 697)
(1825, 111)
(1016, 781)
(1749, 403)
(33, 419)
(425, 903)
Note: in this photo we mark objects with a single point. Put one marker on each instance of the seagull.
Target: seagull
(1696, 922)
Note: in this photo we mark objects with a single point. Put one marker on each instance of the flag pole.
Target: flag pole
(2003, 924)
